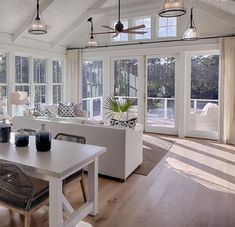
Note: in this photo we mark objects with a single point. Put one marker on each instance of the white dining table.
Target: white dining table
(64, 159)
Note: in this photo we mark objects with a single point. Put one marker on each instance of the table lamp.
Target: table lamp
(18, 98)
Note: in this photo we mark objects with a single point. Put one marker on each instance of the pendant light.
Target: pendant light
(173, 8)
(91, 40)
(37, 25)
(191, 33)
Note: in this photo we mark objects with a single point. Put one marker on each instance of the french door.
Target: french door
(202, 94)
(161, 94)
(128, 83)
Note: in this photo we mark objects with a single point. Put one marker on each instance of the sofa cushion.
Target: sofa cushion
(66, 110)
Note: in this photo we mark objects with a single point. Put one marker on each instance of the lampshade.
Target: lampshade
(191, 33)
(91, 40)
(37, 25)
(173, 8)
(18, 98)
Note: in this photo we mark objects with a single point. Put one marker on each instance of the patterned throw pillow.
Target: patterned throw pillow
(47, 113)
(66, 110)
(40, 111)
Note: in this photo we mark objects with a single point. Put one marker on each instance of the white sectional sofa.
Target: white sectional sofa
(124, 145)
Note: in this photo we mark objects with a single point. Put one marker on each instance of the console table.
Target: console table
(64, 159)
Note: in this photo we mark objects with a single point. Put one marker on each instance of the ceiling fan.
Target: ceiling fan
(119, 27)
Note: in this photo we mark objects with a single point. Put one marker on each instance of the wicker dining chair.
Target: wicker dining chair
(21, 193)
(31, 132)
(78, 174)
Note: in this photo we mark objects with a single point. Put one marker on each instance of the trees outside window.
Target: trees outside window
(3, 84)
(40, 80)
(57, 81)
(92, 88)
(161, 91)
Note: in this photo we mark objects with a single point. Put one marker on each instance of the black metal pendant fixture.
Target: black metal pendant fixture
(173, 8)
(37, 25)
(191, 33)
(91, 40)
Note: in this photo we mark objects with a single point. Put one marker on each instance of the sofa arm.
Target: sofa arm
(86, 113)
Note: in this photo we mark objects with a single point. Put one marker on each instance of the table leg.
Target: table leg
(55, 203)
(93, 185)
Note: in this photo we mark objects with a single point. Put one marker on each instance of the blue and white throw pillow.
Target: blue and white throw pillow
(66, 110)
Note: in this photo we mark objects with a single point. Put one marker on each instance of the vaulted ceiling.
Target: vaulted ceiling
(66, 19)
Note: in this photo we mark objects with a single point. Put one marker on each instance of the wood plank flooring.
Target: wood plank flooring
(193, 186)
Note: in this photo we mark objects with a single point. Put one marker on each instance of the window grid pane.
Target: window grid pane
(39, 68)
(57, 72)
(21, 69)
(167, 27)
(147, 22)
(39, 94)
(3, 68)
(92, 88)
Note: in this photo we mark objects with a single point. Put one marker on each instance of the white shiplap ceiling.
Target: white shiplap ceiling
(65, 17)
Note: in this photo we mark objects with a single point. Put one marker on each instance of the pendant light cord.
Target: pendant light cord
(37, 10)
(92, 30)
(119, 10)
(191, 18)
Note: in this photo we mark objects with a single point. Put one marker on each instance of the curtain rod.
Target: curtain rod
(150, 42)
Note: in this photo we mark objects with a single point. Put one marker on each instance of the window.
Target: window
(167, 27)
(40, 80)
(147, 22)
(22, 74)
(3, 84)
(57, 81)
(92, 88)
(121, 36)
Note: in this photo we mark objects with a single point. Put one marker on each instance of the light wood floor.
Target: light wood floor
(193, 186)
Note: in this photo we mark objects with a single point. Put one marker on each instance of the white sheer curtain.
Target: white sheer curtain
(227, 91)
(73, 76)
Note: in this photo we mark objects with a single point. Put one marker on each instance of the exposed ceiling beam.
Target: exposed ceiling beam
(211, 10)
(24, 26)
(74, 26)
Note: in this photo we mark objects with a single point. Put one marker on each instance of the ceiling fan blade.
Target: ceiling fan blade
(115, 35)
(134, 32)
(104, 26)
(135, 27)
(100, 33)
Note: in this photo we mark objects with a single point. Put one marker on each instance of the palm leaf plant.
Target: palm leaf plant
(115, 107)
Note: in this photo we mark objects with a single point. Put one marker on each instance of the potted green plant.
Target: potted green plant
(115, 108)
